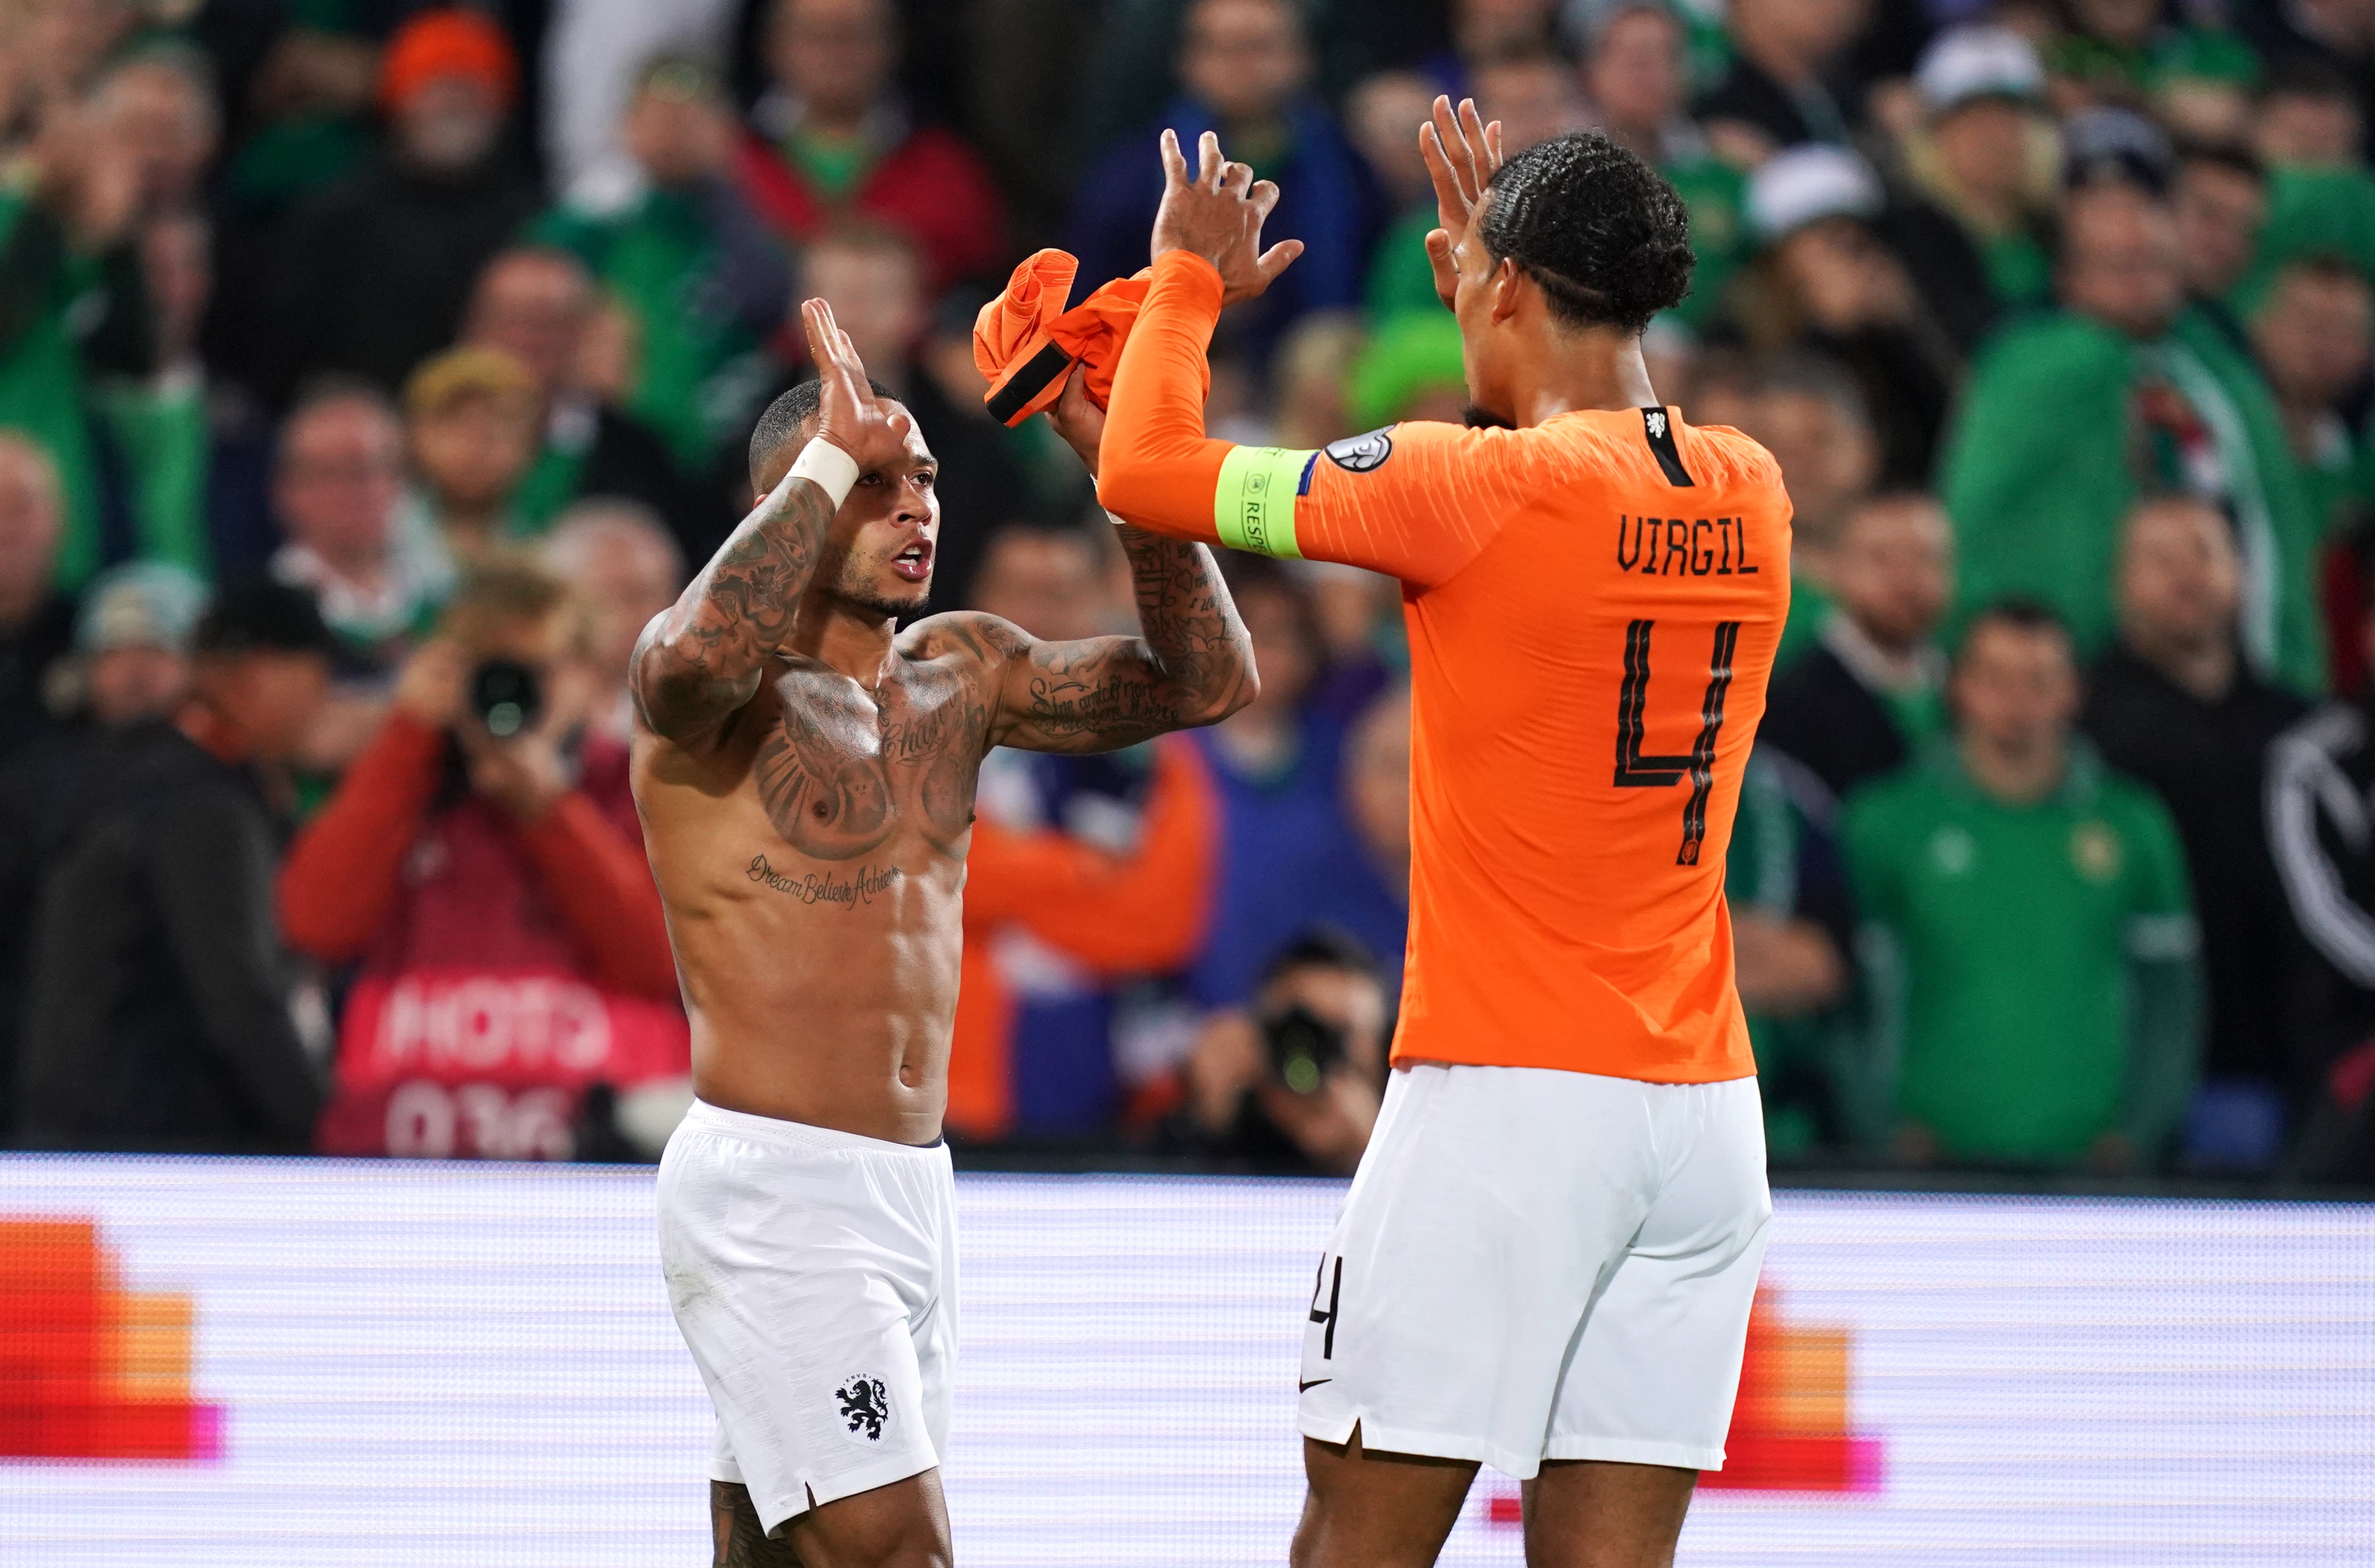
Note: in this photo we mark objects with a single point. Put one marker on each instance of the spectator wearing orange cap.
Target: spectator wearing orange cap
(377, 269)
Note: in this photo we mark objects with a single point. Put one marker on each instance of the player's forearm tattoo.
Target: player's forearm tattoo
(1191, 665)
(702, 661)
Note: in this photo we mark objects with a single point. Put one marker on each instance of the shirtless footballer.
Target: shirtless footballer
(806, 775)
(1546, 1258)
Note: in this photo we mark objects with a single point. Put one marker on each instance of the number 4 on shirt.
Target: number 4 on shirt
(1635, 771)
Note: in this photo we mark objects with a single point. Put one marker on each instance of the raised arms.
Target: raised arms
(1416, 503)
(1192, 663)
(702, 659)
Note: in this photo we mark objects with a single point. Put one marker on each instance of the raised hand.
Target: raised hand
(1216, 212)
(1079, 421)
(1462, 154)
(871, 431)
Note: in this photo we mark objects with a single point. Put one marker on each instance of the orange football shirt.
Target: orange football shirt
(1593, 605)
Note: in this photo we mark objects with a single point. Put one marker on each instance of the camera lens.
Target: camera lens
(507, 696)
(1303, 1046)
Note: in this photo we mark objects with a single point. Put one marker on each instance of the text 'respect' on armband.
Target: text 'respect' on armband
(1253, 508)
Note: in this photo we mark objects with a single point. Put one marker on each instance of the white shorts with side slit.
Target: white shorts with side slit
(1542, 1264)
(813, 1276)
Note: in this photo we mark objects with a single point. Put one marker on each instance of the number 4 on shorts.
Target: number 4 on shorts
(1335, 1294)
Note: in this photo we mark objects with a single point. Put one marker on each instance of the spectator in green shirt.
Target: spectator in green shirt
(1791, 927)
(1636, 77)
(2321, 197)
(699, 274)
(2314, 331)
(2068, 417)
(2029, 933)
(538, 304)
(1382, 114)
(2219, 198)
(73, 303)
(1532, 94)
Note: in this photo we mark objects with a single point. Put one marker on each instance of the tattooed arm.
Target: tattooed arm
(1192, 663)
(702, 659)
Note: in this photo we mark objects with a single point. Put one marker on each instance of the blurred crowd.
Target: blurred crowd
(371, 370)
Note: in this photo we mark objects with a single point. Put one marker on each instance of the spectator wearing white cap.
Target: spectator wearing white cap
(132, 641)
(1985, 154)
(1827, 281)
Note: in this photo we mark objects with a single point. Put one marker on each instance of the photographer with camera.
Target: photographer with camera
(1293, 1086)
(482, 861)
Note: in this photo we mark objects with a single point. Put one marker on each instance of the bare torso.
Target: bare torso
(806, 777)
(812, 862)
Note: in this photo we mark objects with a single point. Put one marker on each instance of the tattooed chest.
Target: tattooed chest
(842, 771)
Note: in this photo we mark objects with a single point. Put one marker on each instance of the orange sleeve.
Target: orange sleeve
(341, 871)
(602, 886)
(1416, 501)
(1115, 914)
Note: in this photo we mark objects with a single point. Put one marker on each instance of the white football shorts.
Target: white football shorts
(813, 1274)
(1539, 1265)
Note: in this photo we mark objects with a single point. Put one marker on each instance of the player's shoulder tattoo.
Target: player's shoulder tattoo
(973, 634)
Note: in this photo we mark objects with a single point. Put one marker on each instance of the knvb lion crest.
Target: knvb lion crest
(1657, 422)
(865, 1406)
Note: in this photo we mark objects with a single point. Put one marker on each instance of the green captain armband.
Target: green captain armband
(1253, 509)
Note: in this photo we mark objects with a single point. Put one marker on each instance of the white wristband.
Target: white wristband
(828, 467)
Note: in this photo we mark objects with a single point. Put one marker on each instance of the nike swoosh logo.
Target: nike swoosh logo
(1307, 1387)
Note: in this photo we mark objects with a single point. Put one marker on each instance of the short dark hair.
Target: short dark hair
(1601, 232)
(338, 386)
(1323, 947)
(2233, 156)
(782, 421)
(2326, 267)
(257, 615)
(2303, 75)
(2031, 617)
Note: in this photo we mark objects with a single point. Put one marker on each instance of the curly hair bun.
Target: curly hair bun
(1602, 233)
